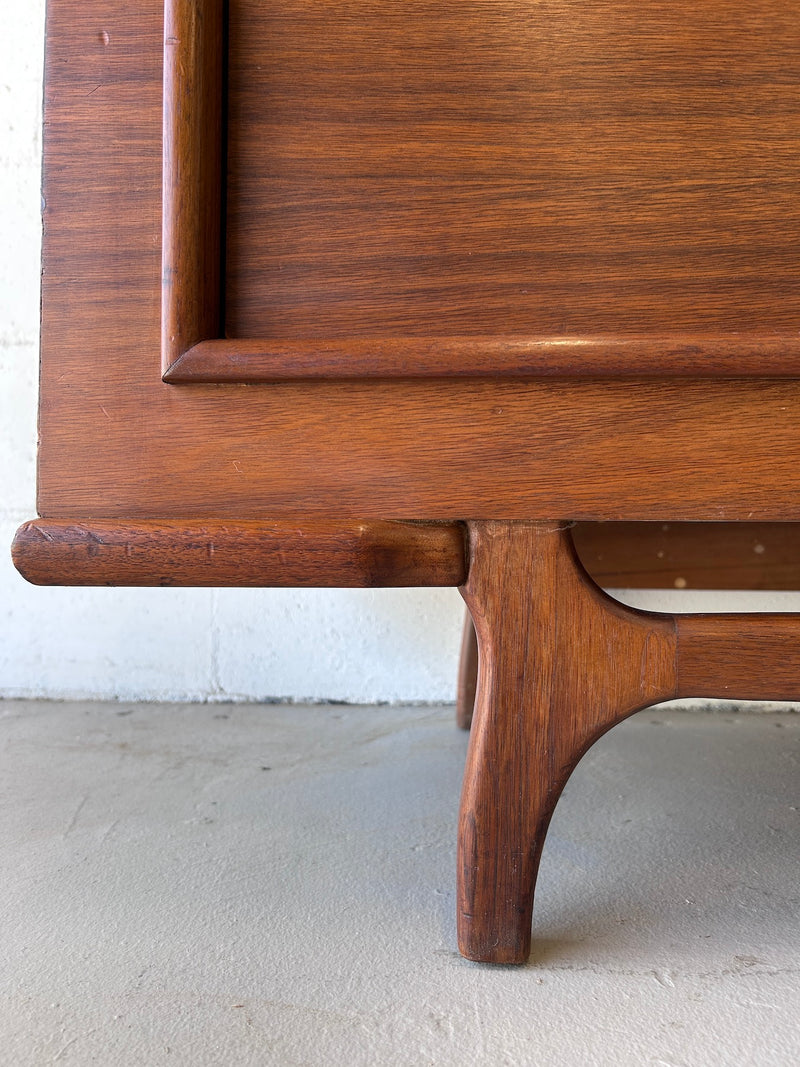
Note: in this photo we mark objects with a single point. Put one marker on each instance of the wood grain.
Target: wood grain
(683, 555)
(497, 168)
(356, 232)
(713, 555)
(281, 360)
(300, 553)
(742, 657)
(194, 62)
(560, 663)
(642, 555)
(116, 442)
(617, 179)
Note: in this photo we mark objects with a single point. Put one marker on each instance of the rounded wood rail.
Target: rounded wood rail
(623, 356)
(192, 183)
(310, 552)
(257, 552)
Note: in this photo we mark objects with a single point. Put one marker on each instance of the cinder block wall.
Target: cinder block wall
(354, 645)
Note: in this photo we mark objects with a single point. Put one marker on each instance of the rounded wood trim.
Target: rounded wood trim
(191, 280)
(696, 356)
(283, 554)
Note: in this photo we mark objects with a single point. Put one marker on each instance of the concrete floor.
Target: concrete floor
(250, 885)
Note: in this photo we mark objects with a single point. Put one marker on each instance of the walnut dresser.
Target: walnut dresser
(430, 293)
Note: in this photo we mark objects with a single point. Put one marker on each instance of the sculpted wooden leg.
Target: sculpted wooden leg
(560, 662)
(467, 674)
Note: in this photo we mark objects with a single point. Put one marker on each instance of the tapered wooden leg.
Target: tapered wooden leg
(560, 662)
(467, 674)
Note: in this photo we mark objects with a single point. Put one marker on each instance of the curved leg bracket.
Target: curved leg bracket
(560, 663)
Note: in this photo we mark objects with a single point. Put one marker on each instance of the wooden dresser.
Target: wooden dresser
(398, 293)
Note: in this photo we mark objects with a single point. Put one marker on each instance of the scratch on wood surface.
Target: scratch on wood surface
(90, 534)
(42, 532)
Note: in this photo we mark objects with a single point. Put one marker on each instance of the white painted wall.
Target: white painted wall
(381, 645)
(357, 645)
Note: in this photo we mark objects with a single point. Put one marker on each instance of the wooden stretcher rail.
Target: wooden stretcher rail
(690, 555)
(742, 657)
